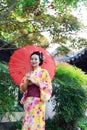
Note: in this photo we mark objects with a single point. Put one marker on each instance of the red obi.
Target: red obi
(33, 91)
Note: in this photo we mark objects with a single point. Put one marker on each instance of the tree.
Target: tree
(26, 20)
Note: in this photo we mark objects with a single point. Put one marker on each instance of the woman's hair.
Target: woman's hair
(40, 54)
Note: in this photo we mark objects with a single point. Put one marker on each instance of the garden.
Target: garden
(45, 23)
(69, 92)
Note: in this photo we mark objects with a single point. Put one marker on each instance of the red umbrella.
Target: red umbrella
(19, 63)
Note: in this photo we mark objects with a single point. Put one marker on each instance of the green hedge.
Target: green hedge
(70, 91)
(8, 90)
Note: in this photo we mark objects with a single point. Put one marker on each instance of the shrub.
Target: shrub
(8, 90)
(82, 123)
(51, 124)
(70, 92)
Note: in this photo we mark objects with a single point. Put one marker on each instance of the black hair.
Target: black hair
(40, 54)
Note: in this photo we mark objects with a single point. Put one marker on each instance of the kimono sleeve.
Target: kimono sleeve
(22, 84)
(45, 86)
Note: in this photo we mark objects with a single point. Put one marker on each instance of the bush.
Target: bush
(51, 124)
(82, 123)
(70, 92)
(8, 90)
(17, 125)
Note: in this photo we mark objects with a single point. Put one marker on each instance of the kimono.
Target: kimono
(34, 107)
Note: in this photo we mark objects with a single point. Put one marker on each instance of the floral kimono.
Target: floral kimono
(34, 107)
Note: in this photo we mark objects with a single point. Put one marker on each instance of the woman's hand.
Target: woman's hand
(28, 78)
(31, 79)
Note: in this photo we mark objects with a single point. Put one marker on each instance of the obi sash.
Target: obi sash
(33, 91)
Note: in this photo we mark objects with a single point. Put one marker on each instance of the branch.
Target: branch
(1, 48)
(9, 9)
(9, 48)
(23, 35)
(16, 21)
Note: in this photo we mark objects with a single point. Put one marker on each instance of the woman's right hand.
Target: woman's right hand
(28, 79)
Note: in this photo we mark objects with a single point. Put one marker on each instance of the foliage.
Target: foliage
(8, 90)
(51, 124)
(6, 7)
(79, 42)
(17, 125)
(29, 5)
(70, 92)
(66, 2)
(24, 21)
(82, 123)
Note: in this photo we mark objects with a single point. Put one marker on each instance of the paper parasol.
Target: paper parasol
(19, 63)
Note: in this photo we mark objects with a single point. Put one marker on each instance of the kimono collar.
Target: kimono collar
(37, 69)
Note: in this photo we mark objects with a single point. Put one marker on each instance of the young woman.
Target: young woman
(38, 89)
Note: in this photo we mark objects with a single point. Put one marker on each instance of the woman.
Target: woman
(38, 89)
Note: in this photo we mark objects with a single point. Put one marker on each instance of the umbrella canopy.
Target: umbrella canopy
(19, 63)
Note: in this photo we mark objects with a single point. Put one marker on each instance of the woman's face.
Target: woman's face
(35, 60)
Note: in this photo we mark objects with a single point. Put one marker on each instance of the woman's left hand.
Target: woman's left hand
(31, 79)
